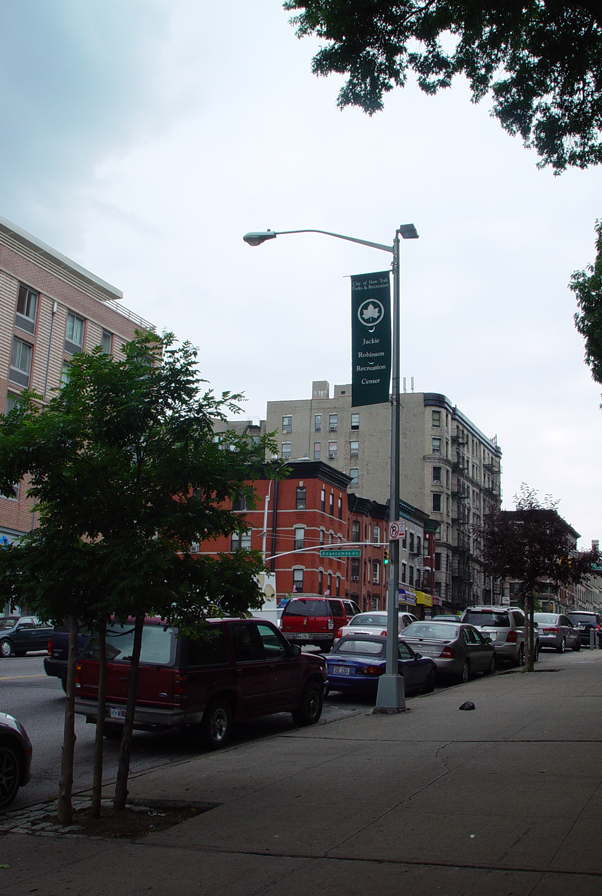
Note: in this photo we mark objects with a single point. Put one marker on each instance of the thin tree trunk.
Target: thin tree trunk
(100, 721)
(65, 804)
(123, 771)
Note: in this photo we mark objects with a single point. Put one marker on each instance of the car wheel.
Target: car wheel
(10, 775)
(112, 731)
(577, 645)
(6, 647)
(520, 657)
(216, 726)
(492, 667)
(464, 673)
(429, 684)
(562, 646)
(310, 706)
(537, 649)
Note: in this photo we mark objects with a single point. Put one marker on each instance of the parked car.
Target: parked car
(458, 649)
(15, 758)
(21, 634)
(557, 631)
(585, 622)
(444, 618)
(357, 661)
(236, 669)
(314, 620)
(507, 628)
(373, 624)
(55, 664)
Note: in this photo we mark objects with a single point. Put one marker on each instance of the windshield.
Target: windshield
(583, 617)
(363, 648)
(442, 631)
(492, 620)
(307, 608)
(546, 618)
(369, 619)
(8, 622)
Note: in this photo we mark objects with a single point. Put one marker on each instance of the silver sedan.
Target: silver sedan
(557, 631)
(458, 649)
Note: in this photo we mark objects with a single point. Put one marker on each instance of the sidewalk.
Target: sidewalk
(505, 799)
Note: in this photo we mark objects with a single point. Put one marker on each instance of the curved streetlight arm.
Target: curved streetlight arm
(256, 239)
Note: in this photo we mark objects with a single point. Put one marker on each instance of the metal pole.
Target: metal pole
(391, 692)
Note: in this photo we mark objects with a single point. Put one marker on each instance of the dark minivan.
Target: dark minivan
(236, 669)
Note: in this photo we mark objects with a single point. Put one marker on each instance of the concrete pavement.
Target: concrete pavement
(505, 799)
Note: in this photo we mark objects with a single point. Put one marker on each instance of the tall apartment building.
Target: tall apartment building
(50, 308)
(449, 470)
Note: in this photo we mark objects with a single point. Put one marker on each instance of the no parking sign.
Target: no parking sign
(397, 530)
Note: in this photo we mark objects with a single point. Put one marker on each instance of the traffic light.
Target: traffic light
(386, 557)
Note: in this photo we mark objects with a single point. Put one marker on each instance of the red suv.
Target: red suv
(235, 669)
(315, 620)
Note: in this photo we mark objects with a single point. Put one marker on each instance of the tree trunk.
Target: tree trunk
(123, 771)
(65, 805)
(100, 721)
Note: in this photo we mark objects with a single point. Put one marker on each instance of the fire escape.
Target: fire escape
(461, 557)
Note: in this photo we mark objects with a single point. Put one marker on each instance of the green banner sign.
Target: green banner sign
(340, 552)
(370, 338)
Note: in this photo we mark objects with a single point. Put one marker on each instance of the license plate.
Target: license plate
(304, 637)
(117, 712)
(341, 670)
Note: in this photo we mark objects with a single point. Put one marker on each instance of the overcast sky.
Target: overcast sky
(143, 138)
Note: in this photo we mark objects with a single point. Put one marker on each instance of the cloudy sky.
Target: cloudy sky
(143, 138)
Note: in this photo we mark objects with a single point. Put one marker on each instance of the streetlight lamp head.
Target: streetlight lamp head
(256, 239)
(408, 231)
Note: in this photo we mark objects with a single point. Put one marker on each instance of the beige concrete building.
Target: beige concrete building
(448, 469)
(50, 308)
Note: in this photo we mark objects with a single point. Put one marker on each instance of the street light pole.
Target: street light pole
(390, 696)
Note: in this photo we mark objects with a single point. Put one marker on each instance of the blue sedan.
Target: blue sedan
(357, 662)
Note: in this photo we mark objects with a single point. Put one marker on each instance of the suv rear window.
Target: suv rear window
(493, 620)
(583, 617)
(157, 644)
(301, 607)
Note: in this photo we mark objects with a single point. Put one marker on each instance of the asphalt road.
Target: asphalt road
(38, 702)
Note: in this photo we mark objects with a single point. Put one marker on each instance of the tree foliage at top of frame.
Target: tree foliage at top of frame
(539, 60)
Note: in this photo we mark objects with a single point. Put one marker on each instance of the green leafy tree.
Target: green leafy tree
(533, 546)
(126, 473)
(540, 61)
(587, 286)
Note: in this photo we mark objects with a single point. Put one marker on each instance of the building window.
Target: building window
(333, 422)
(331, 503)
(436, 446)
(286, 450)
(27, 304)
(376, 535)
(318, 423)
(11, 402)
(436, 418)
(299, 537)
(317, 450)
(355, 421)
(375, 572)
(418, 544)
(287, 424)
(298, 581)
(332, 450)
(20, 362)
(411, 572)
(354, 450)
(355, 531)
(437, 560)
(355, 476)
(340, 507)
(322, 500)
(329, 584)
(322, 536)
(300, 497)
(338, 591)
(355, 569)
(240, 503)
(320, 581)
(403, 572)
(74, 337)
(107, 342)
(65, 374)
(437, 503)
(437, 474)
(412, 543)
(240, 541)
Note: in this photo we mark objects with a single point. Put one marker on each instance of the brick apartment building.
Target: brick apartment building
(50, 308)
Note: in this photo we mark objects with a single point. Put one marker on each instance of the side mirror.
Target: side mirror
(418, 656)
(295, 650)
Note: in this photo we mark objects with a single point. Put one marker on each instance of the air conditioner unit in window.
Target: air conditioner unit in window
(332, 455)
(355, 578)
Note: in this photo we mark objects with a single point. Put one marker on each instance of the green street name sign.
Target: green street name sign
(341, 552)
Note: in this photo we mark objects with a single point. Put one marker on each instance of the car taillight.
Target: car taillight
(49, 645)
(511, 636)
(550, 631)
(338, 633)
(383, 633)
(448, 653)
(78, 674)
(372, 670)
(180, 688)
